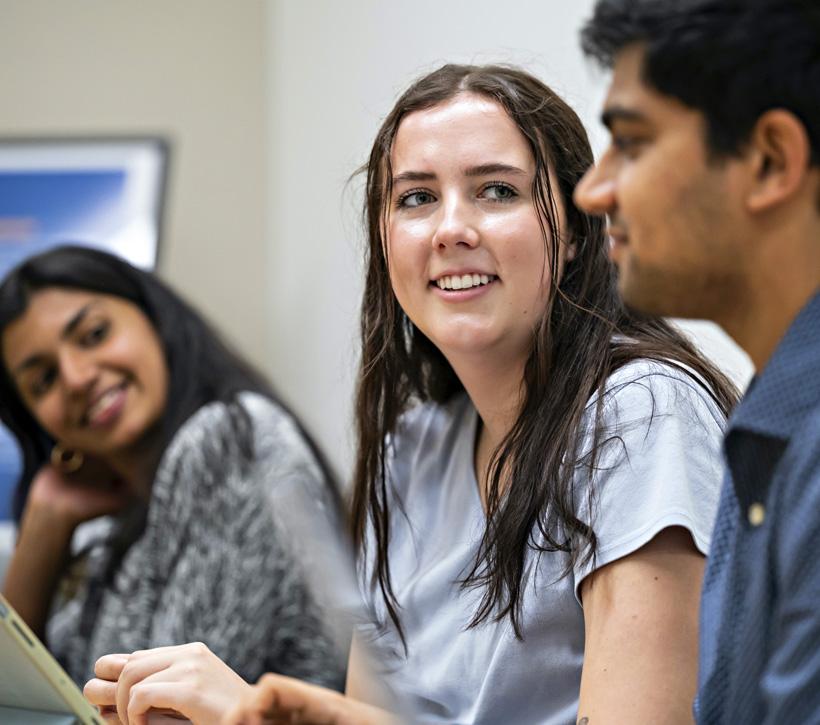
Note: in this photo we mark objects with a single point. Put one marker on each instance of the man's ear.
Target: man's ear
(779, 151)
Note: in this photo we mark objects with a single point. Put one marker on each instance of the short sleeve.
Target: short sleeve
(658, 465)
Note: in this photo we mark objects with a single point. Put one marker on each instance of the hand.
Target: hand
(92, 491)
(276, 699)
(186, 681)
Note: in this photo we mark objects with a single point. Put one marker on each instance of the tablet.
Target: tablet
(34, 689)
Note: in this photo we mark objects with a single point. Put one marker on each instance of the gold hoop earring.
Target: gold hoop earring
(66, 460)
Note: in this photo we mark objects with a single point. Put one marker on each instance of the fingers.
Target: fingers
(109, 667)
(101, 693)
(140, 666)
(109, 716)
(152, 695)
(277, 699)
(187, 679)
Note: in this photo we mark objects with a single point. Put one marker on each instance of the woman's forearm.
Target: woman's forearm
(36, 564)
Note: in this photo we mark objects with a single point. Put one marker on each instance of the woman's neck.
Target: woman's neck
(138, 464)
(496, 390)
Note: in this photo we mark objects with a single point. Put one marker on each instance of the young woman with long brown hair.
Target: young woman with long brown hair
(538, 466)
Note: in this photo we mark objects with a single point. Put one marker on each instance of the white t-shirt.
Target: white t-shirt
(666, 472)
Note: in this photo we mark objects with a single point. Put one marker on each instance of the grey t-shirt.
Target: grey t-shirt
(666, 472)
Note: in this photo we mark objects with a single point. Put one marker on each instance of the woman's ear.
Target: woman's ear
(779, 151)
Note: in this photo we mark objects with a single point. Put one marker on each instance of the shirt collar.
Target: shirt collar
(773, 408)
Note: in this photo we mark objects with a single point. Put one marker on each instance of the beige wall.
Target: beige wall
(193, 70)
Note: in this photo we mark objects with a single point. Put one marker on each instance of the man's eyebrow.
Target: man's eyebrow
(480, 170)
(68, 329)
(619, 113)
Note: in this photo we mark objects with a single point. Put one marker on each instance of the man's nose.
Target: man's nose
(595, 192)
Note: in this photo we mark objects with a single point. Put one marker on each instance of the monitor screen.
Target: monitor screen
(106, 193)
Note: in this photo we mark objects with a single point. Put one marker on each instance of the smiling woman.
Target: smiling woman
(152, 446)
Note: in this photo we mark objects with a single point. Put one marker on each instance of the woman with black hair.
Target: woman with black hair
(160, 454)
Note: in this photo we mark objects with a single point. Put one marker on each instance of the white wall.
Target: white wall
(335, 69)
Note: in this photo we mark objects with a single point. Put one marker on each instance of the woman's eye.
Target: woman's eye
(499, 192)
(412, 199)
(94, 335)
(42, 382)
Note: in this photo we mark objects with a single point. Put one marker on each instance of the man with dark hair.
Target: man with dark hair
(712, 188)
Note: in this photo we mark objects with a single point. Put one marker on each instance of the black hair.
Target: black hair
(731, 60)
(201, 368)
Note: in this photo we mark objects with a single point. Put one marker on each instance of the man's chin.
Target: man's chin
(646, 295)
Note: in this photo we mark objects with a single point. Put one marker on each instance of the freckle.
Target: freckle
(656, 578)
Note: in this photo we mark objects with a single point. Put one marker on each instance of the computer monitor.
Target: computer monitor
(106, 193)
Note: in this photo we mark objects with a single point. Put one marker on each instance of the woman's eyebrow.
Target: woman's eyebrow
(480, 170)
(76, 320)
(494, 168)
(413, 176)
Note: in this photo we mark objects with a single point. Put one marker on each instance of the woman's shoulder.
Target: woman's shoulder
(646, 386)
(251, 431)
(219, 417)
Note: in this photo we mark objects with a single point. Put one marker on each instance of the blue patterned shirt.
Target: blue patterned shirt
(760, 612)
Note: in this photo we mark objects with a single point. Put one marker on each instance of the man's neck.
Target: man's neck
(780, 283)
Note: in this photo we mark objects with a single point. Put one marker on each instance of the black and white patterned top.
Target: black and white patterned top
(212, 564)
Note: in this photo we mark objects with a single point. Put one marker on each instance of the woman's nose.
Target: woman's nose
(77, 370)
(456, 225)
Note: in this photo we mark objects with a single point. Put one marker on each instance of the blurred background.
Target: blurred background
(268, 108)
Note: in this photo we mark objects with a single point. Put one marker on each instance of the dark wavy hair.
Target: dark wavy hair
(732, 60)
(584, 336)
(201, 368)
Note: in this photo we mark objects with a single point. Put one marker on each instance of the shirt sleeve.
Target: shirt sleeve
(658, 463)
(234, 581)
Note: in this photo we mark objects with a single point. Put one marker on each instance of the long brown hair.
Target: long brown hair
(585, 335)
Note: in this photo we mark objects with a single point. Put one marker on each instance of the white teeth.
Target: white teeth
(105, 400)
(464, 281)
